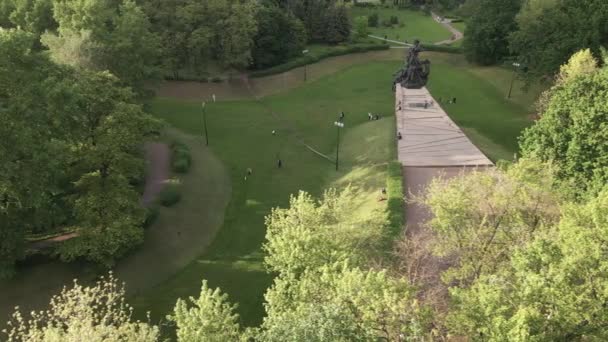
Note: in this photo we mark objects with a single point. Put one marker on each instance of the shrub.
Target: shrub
(387, 23)
(395, 193)
(372, 20)
(442, 48)
(216, 79)
(180, 157)
(394, 20)
(171, 194)
(152, 214)
(313, 58)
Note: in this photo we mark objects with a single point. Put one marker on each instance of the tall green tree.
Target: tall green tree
(32, 159)
(488, 29)
(280, 36)
(210, 317)
(554, 289)
(310, 234)
(338, 303)
(115, 34)
(571, 131)
(93, 313)
(481, 216)
(550, 31)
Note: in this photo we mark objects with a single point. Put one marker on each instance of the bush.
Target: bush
(180, 157)
(171, 194)
(395, 194)
(216, 79)
(442, 48)
(152, 214)
(372, 20)
(387, 23)
(394, 20)
(313, 58)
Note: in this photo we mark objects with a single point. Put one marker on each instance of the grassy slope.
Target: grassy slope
(492, 121)
(417, 25)
(240, 136)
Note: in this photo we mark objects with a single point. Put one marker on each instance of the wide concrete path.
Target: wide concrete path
(432, 145)
(430, 137)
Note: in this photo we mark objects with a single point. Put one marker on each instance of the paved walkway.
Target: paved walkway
(432, 145)
(457, 35)
(430, 137)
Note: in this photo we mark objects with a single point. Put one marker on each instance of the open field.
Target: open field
(416, 25)
(240, 134)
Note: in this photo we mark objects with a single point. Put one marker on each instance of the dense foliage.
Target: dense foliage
(488, 29)
(71, 155)
(83, 313)
(540, 34)
(572, 128)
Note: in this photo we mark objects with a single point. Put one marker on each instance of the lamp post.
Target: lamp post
(339, 125)
(204, 107)
(516, 65)
(305, 66)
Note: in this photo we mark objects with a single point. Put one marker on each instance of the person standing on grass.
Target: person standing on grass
(341, 116)
(279, 163)
(454, 100)
(249, 173)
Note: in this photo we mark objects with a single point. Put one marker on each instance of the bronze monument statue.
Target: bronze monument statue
(415, 72)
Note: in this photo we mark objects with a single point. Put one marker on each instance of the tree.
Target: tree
(210, 318)
(236, 39)
(488, 29)
(337, 25)
(339, 303)
(32, 160)
(110, 129)
(312, 234)
(280, 36)
(35, 16)
(553, 290)
(115, 34)
(361, 27)
(571, 131)
(96, 313)
(549, 32)
(479, 217)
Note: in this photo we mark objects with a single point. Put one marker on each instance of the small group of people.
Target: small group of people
(371, 117)
(450, 101)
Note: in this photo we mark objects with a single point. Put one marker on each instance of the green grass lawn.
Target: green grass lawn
(416, 25)
(240, 135)
(482, 110)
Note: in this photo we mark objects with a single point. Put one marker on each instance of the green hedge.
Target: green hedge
(313, 58)
(180, 157)
(170, 195)
(395, 194)
(442, 48)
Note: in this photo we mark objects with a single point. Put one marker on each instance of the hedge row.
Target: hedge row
(395, 201)
(313, 58)
(180, 157)
(442, 48)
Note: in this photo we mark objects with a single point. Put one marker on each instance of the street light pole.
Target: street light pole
(205, 124)
(305, 66)
(516, 65)
(338, 125)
